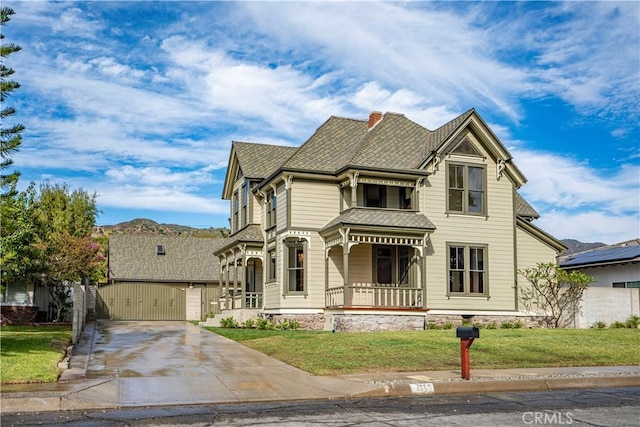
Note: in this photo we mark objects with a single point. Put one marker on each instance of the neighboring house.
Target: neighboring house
(158, 277)
(615, 293)
(375, 224)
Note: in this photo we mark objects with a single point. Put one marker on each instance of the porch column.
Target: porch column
(354, 189)
(345, 265)
(226, 281)
(243, 276)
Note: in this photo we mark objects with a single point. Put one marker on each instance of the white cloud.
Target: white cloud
(591, 226)
(166, 199)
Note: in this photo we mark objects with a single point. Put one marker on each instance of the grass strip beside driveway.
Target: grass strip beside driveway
(30, 354)
(326, 353)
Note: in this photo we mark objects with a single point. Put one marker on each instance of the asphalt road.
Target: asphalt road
(584, 407)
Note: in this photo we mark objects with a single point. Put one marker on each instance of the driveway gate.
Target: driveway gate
(141, 301)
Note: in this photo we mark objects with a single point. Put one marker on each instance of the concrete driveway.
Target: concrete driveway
(156, 363)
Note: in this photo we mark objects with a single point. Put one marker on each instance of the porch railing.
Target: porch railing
(252, 300)
(375, 296)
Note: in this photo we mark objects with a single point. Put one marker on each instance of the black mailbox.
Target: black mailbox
(467, 332)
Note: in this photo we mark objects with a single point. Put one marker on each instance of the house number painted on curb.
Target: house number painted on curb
(422, 388)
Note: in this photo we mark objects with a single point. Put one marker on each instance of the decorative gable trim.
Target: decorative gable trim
(483, 134)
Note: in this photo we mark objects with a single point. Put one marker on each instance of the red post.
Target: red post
(465, 343)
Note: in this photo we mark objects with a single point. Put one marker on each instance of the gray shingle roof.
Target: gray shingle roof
(250, 234)
(524, 209)
(395, 142)
(328, 147)
(186, 259)
(372, 217)
(258, 161)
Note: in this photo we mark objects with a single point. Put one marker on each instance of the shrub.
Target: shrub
(618, 325)
(507, 325)
(249, 323)
(432, 325)
(517, 325)
(633, 322)
(261, 323)
(228, 322)
(492, 325)
(294, 324)
(447, 325)
(599, 325)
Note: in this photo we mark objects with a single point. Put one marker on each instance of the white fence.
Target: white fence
(607, 305)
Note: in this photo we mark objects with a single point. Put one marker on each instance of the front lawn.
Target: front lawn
(326, 353)
(30, 354)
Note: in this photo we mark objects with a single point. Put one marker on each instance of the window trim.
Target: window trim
(271, 209)
(465, 189)
(288, 246)
(467, 271)
(272, 265)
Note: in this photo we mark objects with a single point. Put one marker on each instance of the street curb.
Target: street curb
(541, 384)
(55, 401)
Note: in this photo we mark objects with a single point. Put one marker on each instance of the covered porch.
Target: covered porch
(241, 271)
(375, 259)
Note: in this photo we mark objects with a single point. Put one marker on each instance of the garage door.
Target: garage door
(141, 301)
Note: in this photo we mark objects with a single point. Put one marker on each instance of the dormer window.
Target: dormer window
(160, 250)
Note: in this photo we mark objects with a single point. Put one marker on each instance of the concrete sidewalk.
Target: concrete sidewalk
(199, 367)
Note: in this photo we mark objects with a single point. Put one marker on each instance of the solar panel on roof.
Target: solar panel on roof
(603, 255)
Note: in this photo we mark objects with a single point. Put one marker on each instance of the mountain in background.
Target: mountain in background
(148, 226)
(576, 246)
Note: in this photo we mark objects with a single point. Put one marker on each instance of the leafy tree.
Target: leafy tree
(10, 138)
(48, 240)
(555, 294)
(66, 219)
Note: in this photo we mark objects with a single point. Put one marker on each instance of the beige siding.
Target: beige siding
(335, 263)
(530, 252)
(496, 231)
(360, 268)
(314, 203)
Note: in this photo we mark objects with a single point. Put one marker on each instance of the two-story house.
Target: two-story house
(379, 224)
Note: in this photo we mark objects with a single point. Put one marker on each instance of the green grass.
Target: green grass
(30, 354)
(326, 353)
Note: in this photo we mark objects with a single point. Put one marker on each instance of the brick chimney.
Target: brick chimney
(374, 118)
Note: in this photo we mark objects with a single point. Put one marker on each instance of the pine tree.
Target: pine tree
(10, 138)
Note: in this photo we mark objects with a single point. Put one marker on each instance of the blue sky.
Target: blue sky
(139, 101)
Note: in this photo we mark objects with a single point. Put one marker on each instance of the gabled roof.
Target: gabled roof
(258, 161)
(440, 135)
(134, 257)
(621, 253)
(371, 217)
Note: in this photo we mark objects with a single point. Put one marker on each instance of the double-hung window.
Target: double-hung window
(271, 265)
(466, 189)
(295, 268)
(245, 203)
(271, 209)
(467, 269)
(235, 211)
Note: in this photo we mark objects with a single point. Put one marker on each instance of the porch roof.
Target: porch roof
(372, 217)
(249, 234)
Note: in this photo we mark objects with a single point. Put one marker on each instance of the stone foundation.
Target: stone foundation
(446, 320)
(308, 322)
(377, 322)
